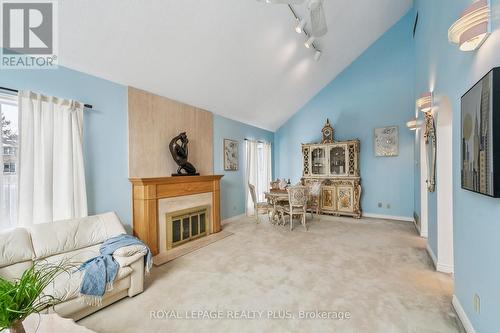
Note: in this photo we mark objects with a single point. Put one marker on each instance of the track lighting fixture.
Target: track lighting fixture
(300, 26)
(316, 23)
(309, 42)
(317, 55)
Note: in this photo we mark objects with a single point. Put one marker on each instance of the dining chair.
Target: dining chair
(313, 199)
(297, 203)
(258, 206)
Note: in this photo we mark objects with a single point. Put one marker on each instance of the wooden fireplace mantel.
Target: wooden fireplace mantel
(147, 191)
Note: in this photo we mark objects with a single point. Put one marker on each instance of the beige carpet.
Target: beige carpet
(182, 250)
(377, 271)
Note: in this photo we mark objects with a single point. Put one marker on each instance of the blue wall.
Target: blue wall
(105, 131)
(105, 138)
(441, 67)
(376, 90)
(233, 182)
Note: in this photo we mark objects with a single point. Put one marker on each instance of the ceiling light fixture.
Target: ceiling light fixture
(424, 103)
(300, 27)
(472, 28)
(309, 42)
(302, 22)
(317, 55)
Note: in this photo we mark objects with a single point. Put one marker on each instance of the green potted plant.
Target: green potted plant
(24, 296)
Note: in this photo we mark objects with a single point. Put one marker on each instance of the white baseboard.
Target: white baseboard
(440, 267)
(431, 254)
(417, 227)
(444, 268)
(389, 217)
(232, 219)
(462, 315)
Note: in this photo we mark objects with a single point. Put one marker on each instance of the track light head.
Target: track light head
(309, 42)
(317, 55)
(300, 26)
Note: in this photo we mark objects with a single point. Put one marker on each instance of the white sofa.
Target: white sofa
(76, 240)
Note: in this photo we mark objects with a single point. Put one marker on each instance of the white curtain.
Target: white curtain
(51, 170)
(8, 176)
(258, 171)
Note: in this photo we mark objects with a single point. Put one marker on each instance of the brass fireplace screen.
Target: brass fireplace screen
(186, 225)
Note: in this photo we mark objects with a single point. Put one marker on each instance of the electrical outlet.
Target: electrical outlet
(476, 301)
(379, 205)
(388, 206)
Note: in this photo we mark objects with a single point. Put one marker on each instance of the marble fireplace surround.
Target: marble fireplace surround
(171, 205)
(154, 197)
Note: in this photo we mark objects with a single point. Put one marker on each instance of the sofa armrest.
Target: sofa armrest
(128, 260)
(130, 250)
(136, 277)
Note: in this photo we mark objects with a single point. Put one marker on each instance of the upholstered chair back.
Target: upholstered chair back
(297, 195)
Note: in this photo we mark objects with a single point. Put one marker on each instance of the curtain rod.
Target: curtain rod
(88, 106)
(259, 141)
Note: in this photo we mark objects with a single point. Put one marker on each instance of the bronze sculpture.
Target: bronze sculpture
(179, 149)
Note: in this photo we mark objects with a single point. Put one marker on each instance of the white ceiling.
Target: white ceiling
(240, 59)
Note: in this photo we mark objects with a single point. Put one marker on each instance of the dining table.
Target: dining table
(276, 197)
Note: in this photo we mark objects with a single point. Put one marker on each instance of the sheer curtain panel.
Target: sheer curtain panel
(51, 169)
(258, 171)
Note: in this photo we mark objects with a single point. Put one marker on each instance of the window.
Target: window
(9, 168)
(258, 170)
(8, 149)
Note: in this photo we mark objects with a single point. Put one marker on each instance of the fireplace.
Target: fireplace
(156, 200)
(186, 225)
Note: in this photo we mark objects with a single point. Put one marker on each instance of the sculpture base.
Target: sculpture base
(185, 174)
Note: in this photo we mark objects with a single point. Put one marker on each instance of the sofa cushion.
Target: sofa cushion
(76, 309)
(15, 246)
(64, 236)
(67, 285)
(15, 271)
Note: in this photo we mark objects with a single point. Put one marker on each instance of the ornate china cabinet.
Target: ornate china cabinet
(336, 165)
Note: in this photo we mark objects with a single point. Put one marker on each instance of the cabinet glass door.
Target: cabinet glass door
(319, 163)
(337, 160)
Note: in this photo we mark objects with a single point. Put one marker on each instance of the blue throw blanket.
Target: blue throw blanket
(100, 272)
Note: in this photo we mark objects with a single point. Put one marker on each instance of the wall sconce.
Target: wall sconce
(472, 28)
(414, 124)
(424, 103)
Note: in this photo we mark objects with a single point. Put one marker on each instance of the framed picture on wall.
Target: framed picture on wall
(480, 136)
(386, 141)
(230, 155)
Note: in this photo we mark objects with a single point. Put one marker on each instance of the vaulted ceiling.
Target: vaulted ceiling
(237, 58)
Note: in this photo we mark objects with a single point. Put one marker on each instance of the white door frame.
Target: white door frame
(444, 187)
(424, 204)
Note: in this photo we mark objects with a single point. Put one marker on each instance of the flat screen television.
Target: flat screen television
(480, 135)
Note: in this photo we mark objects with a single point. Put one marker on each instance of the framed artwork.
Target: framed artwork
(386, 141)
(230, 155)
(480, 136)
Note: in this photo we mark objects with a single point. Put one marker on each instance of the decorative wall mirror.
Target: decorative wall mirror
(430, 143)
